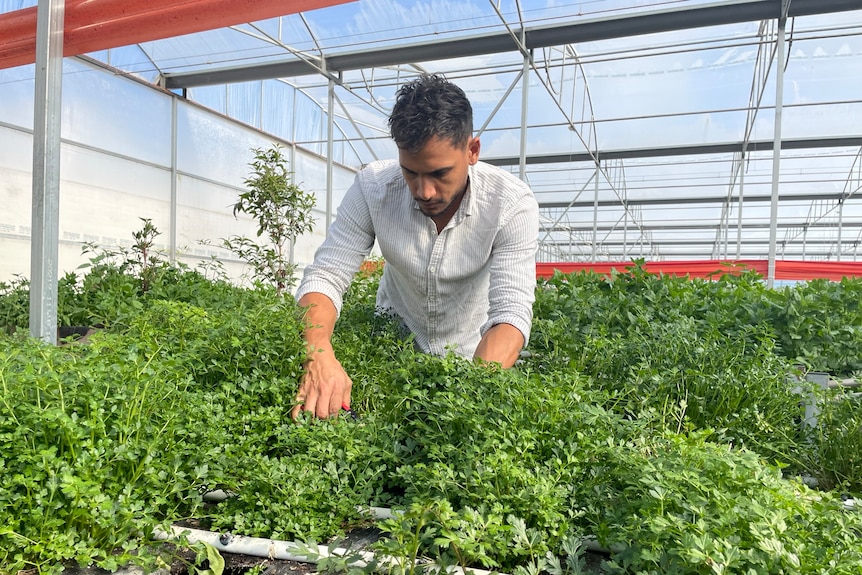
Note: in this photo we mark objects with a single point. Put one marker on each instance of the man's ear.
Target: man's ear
(473, 150)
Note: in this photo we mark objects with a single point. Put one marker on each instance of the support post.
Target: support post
(330, 110)
(45, 225)
(173, 232)
(739, 205)
(525, 92)
(776, 148)
(596, 209)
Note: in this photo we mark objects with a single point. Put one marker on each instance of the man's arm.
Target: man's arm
(512, 287)
(500, 344)
(325, 386)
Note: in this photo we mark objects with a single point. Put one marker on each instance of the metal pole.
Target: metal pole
(739, 206)
(45, 225)
(173, 232)
(840, 224)
(330, 110)
(596, 209)
(776, 149)
(525, 92)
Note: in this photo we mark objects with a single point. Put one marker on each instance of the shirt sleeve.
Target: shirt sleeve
(513, 268)
(347, 244)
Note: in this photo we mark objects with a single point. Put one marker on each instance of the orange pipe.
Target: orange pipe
(90, 12)
(92, 25)
(18, 24)
(21, 24)
(182, 18)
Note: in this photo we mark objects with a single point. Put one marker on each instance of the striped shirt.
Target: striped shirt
(447, 288)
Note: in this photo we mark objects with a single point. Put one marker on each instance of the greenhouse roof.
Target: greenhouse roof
(646, 128)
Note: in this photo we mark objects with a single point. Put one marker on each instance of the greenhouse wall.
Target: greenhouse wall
(131, 151)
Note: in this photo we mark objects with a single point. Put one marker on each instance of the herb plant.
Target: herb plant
(646, 421)
(282, 211)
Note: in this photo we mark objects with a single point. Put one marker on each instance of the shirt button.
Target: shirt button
(432, 269)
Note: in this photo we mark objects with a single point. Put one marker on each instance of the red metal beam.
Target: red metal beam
(92, 25)
(784, 269)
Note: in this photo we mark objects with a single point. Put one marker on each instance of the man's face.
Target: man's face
(437, 174)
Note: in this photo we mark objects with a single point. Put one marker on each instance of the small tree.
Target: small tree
(283, 212)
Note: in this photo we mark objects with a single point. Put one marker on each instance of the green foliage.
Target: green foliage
(213, 558)
(680, 505)
(690, 354)
(14, 305)
(283, 213)
(836, 454)
(646, 417)
(820, 325)
(88, 440)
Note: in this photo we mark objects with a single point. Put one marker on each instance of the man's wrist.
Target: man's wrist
(313, 348)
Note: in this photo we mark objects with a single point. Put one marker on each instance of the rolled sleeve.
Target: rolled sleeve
(512, 289)
(348, 243)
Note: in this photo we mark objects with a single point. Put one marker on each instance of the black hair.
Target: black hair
(430, 106)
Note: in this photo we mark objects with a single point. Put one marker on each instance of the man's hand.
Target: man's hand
(325, 386)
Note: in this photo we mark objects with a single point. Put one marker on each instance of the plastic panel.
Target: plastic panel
(115, 113)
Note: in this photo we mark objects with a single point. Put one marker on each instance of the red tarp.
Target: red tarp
(784, 269)
(92, 25)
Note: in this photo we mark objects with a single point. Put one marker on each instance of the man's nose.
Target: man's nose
(425, 189)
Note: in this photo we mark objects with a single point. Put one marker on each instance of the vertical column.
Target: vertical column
(525, 91)
(594, 254)
(739, 205)
(173, 233)
(45, 225)
(840, 225)
(330, 109)
(776, 149)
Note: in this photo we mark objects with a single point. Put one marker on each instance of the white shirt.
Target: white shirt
(448, 288)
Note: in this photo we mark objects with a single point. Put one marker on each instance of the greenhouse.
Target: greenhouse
(693, 356)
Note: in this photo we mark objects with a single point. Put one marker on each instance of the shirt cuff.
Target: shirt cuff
(322, 287)
(518, 322)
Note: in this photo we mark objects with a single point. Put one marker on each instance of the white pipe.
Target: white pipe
(287, 550)
(259, 547)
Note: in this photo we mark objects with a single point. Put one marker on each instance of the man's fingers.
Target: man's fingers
(324, 389)
(295, 412)
(334, 404)
(345, 399)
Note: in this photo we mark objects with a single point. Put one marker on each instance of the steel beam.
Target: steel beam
(691, 200)
(587, 30)
(688, 150)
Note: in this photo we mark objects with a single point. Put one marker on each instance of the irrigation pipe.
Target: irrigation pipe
(260, 547)
(302, 552)
(288, 550)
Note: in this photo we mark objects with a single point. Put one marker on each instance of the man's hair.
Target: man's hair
(430, 106)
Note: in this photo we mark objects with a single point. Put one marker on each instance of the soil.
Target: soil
(238, 564)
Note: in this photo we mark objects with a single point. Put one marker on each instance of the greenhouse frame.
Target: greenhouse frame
(678, 392)
(662, 131)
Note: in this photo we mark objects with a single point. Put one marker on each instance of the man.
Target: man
(458, 237)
